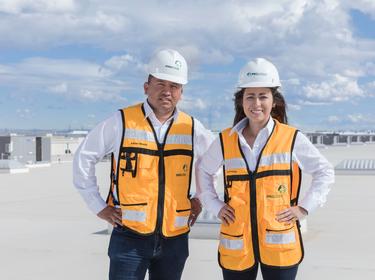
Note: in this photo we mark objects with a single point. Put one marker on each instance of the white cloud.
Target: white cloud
(216, 56)
(294, 107)
(361, 119)
(365, 6)
(312, 103)
(24, 113)
(311, 43)
(370, 88)
(339, 88)
(36, 6)
(370, 67)
(292, 82)
(60, 88)
(73, 79)
(303, 36)
(125, 62)
(190, 104)
(333, 119)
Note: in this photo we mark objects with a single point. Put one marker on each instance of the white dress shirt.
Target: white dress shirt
(304, 153)
(105, 138)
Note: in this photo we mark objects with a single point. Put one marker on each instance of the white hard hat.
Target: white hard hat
(258, 73)
(169, 65)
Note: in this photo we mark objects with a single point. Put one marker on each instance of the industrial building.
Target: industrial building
(25, 149)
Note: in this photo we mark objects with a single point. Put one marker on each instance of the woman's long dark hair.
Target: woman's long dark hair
(278, 112)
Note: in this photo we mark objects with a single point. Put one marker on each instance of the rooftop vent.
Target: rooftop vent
(356, 166)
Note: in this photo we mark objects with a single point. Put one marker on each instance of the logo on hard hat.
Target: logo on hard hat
(255, 74)
(177, 65)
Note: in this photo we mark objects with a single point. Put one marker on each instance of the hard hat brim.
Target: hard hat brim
(170, 78)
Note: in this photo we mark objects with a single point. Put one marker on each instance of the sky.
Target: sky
(69, 64)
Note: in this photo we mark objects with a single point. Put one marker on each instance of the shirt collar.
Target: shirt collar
(243, 123)
(149, 112)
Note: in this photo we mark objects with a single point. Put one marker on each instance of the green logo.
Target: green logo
(178, 64)
(185, 168)
(281, 189)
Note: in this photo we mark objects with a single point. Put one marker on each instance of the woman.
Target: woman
(262, 158)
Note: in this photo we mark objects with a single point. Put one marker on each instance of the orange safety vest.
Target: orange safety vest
(257, 196)
(151, 183)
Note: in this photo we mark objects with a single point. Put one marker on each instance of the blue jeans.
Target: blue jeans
(131, 255)
(267, 273)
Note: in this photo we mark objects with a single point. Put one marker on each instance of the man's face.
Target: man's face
(163, 95)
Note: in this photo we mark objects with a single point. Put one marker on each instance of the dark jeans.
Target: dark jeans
(131, 255)
(267, 273)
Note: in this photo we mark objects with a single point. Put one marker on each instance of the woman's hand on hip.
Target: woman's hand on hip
(290, 215)
(227, 215)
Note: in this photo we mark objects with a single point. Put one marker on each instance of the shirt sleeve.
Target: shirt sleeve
(207, 168)
(311, 161)
(202, 139)
(99, 142)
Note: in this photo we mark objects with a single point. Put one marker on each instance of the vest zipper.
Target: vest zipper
(161, 191)
(161, 179)
(253, 217)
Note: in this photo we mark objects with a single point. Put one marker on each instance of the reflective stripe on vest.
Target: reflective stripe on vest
(234, 163)
(153, 179)
(148, 136)
(256, 198)
(139, 135)
(280, 238)
(181, 221)
(179, 139)
(282, 158)
(132, 215)
(231, 244)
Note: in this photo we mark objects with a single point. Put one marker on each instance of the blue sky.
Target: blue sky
(70, 64)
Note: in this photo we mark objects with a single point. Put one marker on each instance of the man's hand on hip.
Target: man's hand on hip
(112, 215)
(196, 209)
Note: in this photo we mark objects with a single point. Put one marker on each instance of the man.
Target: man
(153, 146)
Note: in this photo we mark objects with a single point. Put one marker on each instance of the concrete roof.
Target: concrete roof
(48, 233)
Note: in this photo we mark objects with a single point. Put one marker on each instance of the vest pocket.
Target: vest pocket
(136, 212)
(147, 166)
(181, 218)
(280, 239)
(233, 245)
(176, 218)
(275, 234)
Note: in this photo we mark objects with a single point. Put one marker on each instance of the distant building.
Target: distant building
(25, 149)
(341, 138)
(65, 145)
(79, 133)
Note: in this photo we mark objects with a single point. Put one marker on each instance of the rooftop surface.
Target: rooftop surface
(48, 233)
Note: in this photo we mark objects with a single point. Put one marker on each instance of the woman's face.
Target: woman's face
(257, 104)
